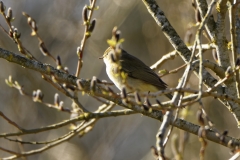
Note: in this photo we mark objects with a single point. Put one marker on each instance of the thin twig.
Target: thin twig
(15, 36)
(10, 121)
(198, 40)
(33, 24)
(173, 71)
(85, 116)
(9, 151)
(161, 133)
(59, 87)
(83, 42)
(174, 53)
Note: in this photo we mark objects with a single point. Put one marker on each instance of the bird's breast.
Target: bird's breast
(114, 76)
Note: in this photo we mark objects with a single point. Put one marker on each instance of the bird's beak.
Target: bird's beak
(101, 57)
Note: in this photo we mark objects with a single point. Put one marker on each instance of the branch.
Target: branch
(173, 54)
(210, 25)
(232, 10)
(185, 54)
(10, 121)
(85, 116)
(65, 77)
(81, 129)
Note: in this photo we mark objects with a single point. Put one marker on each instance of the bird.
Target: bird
(139, 77)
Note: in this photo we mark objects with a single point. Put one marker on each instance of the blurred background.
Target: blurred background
(60, 25)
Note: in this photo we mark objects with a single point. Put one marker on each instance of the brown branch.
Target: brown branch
(85, 116)
(70, 79)
(174, 53)
(9, 151)
(232, 10)
(81, 128)
(85, 37)
(10, 121)
(185, 54)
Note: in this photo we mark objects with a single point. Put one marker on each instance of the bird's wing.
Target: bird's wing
(135, 68)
